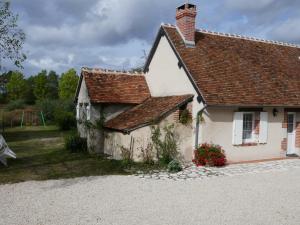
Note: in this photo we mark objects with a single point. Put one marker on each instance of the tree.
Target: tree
(52, 85)
(29, 96)
(11, 37)
(16, 86)
(4, 78)
(40, 85)
(68, 84)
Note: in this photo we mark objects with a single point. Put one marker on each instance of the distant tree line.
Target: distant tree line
(45, 85)
(46, 91)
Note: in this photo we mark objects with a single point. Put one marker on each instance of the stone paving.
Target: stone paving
(191, 172)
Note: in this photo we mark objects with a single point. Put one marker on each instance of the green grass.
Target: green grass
(41, 156)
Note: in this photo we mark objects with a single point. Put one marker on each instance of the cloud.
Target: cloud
(91, 30)
(288, 31)
(105, 22)
(54, 12)
(246, 5)
(268, 19)
(113, 33)
(62, 58)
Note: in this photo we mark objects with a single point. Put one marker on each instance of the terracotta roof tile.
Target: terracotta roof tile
(237, 71)
(110, 87)
(147, 112)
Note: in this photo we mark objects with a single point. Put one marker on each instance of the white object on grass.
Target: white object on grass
(5, 151)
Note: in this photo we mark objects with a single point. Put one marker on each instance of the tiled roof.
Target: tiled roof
(149, 111)
(115, 87)
(241, 71)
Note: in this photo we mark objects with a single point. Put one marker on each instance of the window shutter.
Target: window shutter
(237, 128)
(88, 112)
(77, 112)
(263, 128)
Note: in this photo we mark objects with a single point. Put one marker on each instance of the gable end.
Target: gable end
(162, 33)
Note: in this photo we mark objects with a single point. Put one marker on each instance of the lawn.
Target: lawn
(41, 156)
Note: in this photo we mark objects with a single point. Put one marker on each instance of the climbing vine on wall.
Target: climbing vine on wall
(165, 143)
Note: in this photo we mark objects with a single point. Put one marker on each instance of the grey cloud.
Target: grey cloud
(61, 59)
(271, 19)
(264, 11)
(54, 12)
(113, 33)
(108, 22)
(246, 5)
(288, 31)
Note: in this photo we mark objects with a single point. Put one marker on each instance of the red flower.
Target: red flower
(209, 154)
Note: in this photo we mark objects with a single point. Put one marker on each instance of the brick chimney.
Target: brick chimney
(186, 23)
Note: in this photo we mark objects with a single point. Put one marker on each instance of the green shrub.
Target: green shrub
(16, 104)
(48, 107)
(174, 166)
(67, 105)
(65, 120)
(167, 146)
(147, 154)
(75, 143)
(127, 156)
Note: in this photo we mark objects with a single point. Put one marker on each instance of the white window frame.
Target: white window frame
(252, 139)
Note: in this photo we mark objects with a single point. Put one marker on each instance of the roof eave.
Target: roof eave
(78, 88)
(252, 105)
(163, 115)
(119, 103)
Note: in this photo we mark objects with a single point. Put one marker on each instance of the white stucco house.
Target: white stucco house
(246, 91)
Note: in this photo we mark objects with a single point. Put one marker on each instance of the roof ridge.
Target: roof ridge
(248, 38)
(111, 72)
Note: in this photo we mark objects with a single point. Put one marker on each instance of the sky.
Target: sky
(116, 34)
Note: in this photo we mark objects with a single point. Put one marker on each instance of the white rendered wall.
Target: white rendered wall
(217, 128)
(83, 99)
(83, 96)
(142, 137)
(165, 78)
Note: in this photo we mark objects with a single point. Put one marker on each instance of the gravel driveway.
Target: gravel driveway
(263, 198)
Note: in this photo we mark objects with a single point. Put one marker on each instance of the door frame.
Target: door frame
(292, 150)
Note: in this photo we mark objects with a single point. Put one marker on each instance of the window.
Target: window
(244, 128)
(248, 127)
